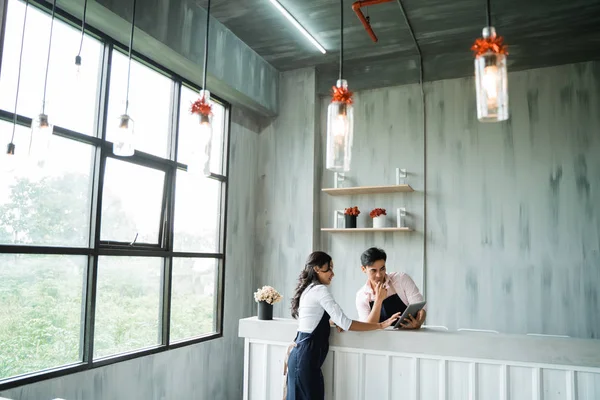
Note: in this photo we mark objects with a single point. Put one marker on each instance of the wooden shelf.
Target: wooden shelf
(352, 230)
(367, 190)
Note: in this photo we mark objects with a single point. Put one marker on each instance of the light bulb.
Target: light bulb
(9, 160)
(78, 68)
(490, 82)
(41, 135)
(340, 125)
(201, 148)
(124, 144)
(340, 128)
(206, 135)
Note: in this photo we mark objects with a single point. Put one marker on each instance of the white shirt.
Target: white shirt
(314, 301)
(396, 283)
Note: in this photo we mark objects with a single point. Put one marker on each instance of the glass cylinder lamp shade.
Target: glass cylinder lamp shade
(340, 130)
(124, 144)
(492, 86)
(41, 134)
(202, 142)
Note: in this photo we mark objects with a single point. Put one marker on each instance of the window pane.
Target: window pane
(127, 305)
(41, 312)
(188, 126)
(149, 104)
(197, 213)
(131, 203)
(49, 206)
(193, 298)
(70, 99)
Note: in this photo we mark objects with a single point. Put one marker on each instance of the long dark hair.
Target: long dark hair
(308, 276)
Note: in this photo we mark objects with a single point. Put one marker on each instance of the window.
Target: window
(102, 258)
(197, 214)
(40, 317)
(127, 305)
(132, 203)
(149, 104)
(69, 96)
(193, 299)
(49, 206)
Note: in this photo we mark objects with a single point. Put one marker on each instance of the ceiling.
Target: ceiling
(539, 33)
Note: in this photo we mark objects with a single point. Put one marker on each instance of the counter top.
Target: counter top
(459, 344)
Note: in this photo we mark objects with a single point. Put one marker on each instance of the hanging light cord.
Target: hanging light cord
(82, 28)
(48, 60)
(341, 39)
(424, 106)
(19, 73)
(129, 65)
(206, 46)
(488, 13)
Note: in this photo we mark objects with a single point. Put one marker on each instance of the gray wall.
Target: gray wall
(513, 223)
(286, 170)
(210, 370)
(514, 208)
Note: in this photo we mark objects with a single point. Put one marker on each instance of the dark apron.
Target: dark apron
(305, 379)
(390, 306)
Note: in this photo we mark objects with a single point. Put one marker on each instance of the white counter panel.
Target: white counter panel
(367, 373)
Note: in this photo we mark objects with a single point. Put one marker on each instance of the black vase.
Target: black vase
(265, 311)
(350, 221)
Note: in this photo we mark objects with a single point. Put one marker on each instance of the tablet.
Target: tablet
(412, 309)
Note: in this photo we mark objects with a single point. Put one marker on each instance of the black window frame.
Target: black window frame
(99, 248)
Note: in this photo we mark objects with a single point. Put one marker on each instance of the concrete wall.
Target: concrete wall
(210, 370)
(513, 208)
(284, 216)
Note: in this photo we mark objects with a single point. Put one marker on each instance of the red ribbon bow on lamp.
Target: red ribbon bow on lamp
(201, 107)
(341, 94)
(495, 45)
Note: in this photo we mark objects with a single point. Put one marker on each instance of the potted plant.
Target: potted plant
(350, 215)
(378, 215)
(266, 297)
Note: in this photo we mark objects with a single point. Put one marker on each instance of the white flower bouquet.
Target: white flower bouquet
(267, 294)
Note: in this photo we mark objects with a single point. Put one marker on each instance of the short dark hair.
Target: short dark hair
(370, 256)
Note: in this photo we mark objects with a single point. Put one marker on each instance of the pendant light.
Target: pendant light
(340, 116)
(78, 56)
(41, 133)
(491, 78)
(9, 159)
(201, 147)
(124, 144)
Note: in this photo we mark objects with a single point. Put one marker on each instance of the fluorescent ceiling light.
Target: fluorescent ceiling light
(297, 25)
